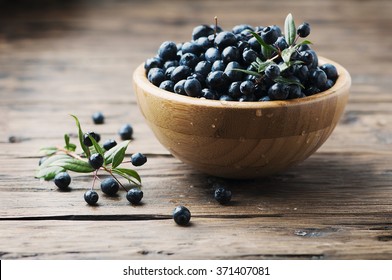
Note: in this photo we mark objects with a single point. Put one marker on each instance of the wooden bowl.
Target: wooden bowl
(234, 139)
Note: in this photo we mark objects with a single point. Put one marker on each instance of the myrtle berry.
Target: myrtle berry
(180, 73)
(241, 27)
(192, 87)
(138, 159)
(96, 160)
(306, 56)
(230, 53)
(234, 90)
(62, 180)
(281, 43)
(269, 35)
(98, 118)
(222, 195)
(154, 62)
(167, 85)
(294, 91)
(330, 70)
(232, 72)
(168, 51)
(272, 71)
(318, 78)
(134, 195)
(191, 47)
(87, 141)
(254, 45)
(179, 87)
(108, 144)
(218, 65)
(181, 215)
(278, 91)
(247, 87)
(208, 93)
(91, 197)
(189, 59)
(203, 43)
(225, 39)
(249, 56)
(126, 132)
(303, 30)
(170, 63)
(218, 80)
(203, 68)
(156, 76)
(109, 186)
(202, 31)
(212, 54)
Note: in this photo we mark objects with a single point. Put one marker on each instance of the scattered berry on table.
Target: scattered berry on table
(138, 159)
(108, 144)
(126, 132)
(96, 160)
(134, 195)
(181, 215)
(98, 118)
(109, 186)
(91, 197)
(222, 195)
(62, 180)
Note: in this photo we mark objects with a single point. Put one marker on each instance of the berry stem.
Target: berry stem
(114, 177)
(216, 26)
(94, 179)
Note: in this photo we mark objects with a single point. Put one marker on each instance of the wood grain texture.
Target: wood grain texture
(76, 57)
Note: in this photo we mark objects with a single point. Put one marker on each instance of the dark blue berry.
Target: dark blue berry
(170, 63)
(218, 80)
(181, 215)
(272, 71)
(138, 159)
(154, 62)
(249, 56)
(269, 35)
(169, 71)
(167, 85)
(254, 45)
(179, 87)
(191, 47)
(96, 160)
(229, 54)
(156, 76)
(301, 71)
(126, 132)
(168, 51)
(109, 186)
(203, 67)
(62, 180)
(281, 43)
(212, 54)
(98, 118)
(278, 91)
(225, 39)
(303, 30)
(134, 195)
(234, 90)
(241, 27)
(193, 87)
(208, 93)
(180, 73)
(202, 31)
(87, 141)
(108, 144)
(203, 43)
(306, 56)
(222, 195)
(318, 78)
(91, 197)
(232, 72)
(330, 70)
(247, 87)
(189, 59)
(294, 91)
(218, 65)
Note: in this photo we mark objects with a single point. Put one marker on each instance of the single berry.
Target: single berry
(203, 68)
(126, 132)
(249, 56)
(281, 43)
(96, 161)
(154, 62)
(167, 51)
(108, 144)
(87, 140)
(318, 78)
(330, 70)
(179, 87)
(167, 85)
(212, 55)
(134, 195)
(91, 197)
(303, 30)
(62, 180)
(272, 71)
(278, 91)
(247, 87)
(222, 195)
(225, 39)
(192, 87)
(202, 31)
(181, 215)
(218, 80)
(232, 72)
(109, 186)
(269, 35)
(138, 159)
(180, 73)
(230, 53)
(189, 59)
(98, 118)
(156, 76)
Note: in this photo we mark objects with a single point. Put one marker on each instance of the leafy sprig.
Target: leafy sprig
(60, 159)
(273, 54)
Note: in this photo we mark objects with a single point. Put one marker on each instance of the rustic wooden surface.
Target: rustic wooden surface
(63, 57)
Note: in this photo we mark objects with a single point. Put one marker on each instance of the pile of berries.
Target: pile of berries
(245, 64)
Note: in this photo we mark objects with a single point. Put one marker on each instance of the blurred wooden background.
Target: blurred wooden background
(77, 57)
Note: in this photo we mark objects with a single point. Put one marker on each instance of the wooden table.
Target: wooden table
(77, 57)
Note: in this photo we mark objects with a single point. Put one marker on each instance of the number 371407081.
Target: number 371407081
(243, 270)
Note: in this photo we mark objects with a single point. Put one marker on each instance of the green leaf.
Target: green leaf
(129, 174)
(74, 164)
(289, 30)
(69, 146)
(80, 134)
(52, 159)
(96, 146)
(248, 72)
(49, 172)
(264, 65)
(116, 154)
(288, 81)
(287, 53)
(48, 151)
(305, 42)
